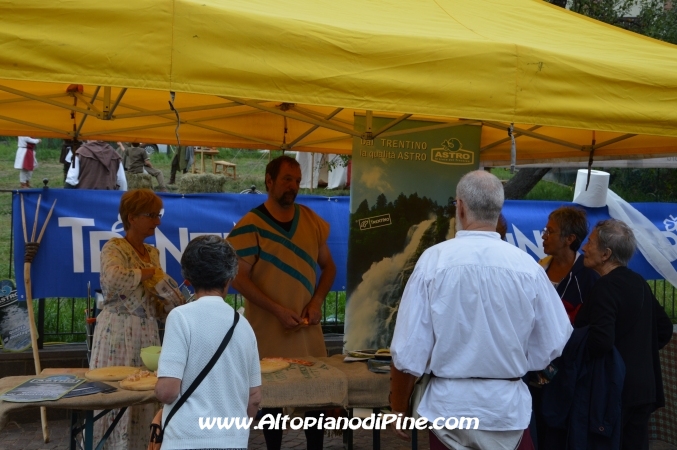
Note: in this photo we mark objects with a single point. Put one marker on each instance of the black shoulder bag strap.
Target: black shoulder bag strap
(204, 372)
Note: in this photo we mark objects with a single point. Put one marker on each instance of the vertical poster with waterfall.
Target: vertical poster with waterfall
(401, 202)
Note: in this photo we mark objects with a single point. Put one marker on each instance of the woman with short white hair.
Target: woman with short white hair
(622, 312)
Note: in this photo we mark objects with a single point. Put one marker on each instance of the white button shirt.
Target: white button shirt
(478, 307)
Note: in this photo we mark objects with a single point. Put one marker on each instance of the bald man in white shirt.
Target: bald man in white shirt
(477, 313)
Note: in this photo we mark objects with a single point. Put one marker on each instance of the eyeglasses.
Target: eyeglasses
(546, 232)
(153, 216)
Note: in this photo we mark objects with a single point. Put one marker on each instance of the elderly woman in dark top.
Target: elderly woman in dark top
(622, 311)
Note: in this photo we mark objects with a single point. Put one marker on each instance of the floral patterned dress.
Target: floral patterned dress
(126, 324)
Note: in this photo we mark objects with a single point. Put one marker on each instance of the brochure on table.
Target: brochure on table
(42, 389)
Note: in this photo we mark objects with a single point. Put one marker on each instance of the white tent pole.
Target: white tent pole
(312, 171)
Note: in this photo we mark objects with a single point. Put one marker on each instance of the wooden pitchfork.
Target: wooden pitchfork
(31, 249)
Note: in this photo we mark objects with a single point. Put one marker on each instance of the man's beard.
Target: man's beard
(459, 225)
(287, 199)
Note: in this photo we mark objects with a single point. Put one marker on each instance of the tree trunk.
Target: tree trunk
(523, 182)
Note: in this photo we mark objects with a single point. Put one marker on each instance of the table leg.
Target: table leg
(89, 430)
(74, 422)
(111, 428)
(414, 439)
(348, 433)
(376, 434)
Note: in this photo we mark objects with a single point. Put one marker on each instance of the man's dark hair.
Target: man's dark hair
(209, 262)
(571, 220)
(273, 167)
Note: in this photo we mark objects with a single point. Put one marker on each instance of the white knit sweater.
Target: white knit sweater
(193, 333)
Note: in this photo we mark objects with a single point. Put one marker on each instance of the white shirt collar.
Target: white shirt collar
(467, 233)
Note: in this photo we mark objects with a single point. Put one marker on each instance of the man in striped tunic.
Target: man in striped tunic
(281, 245)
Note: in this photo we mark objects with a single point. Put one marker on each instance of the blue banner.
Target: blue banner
(83, 220)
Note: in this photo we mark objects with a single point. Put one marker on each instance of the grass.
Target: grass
(665, 294)
(64, 319)
(544, 190)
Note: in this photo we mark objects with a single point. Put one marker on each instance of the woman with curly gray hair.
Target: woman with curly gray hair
(622, 312)
(194, 331)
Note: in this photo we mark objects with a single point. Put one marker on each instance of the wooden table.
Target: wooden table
(210, 153)
(84, 405)
(352, 386)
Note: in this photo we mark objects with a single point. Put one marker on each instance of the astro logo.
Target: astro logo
(670, 223)
(374, 222)
(452, 153)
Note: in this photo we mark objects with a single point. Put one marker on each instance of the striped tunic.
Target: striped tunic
(284, 268)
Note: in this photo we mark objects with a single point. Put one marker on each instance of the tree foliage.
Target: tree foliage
(609, 11)
(370, 246)
(644, 185)
(656, 18)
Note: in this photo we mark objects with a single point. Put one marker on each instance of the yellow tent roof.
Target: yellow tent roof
(244, 71)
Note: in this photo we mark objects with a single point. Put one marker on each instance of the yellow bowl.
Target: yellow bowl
(150, 356)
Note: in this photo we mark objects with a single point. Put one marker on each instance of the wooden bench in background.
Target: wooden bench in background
(224, 166)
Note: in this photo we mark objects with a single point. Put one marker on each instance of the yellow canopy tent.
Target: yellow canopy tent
(292, 74)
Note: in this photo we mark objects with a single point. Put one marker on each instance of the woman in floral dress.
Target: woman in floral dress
(128, 321)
